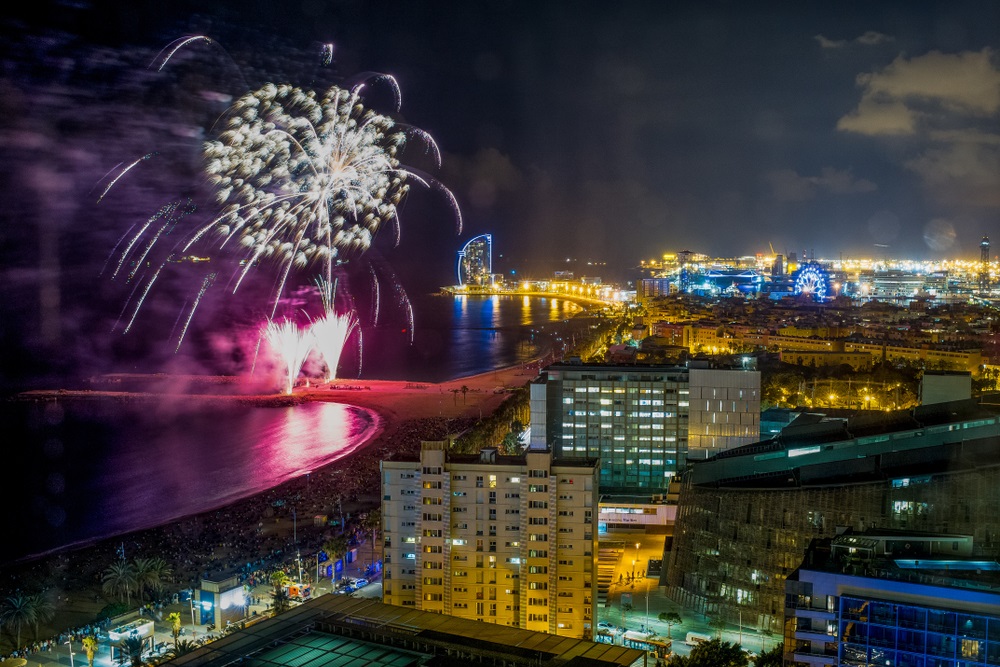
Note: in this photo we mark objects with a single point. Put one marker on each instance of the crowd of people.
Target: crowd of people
(252, 537)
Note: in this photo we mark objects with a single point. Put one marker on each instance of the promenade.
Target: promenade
(72, 654)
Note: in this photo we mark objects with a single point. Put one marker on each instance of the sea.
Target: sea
(84, 469)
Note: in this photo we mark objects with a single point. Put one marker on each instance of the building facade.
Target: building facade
(903, 599)
(635, 418)
(505, 540)
(746, 516)
(723, 410)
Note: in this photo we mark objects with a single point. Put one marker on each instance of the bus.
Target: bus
(643, 642)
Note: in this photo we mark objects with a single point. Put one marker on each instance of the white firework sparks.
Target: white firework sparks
(305, 178)
(292, 345)
(330, 334)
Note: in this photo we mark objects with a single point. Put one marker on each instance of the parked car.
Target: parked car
(360, 583)
(604, 625)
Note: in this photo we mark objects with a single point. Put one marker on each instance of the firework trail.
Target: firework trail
(291, 344)
(205, 284)
(122, 173)
(173, 47)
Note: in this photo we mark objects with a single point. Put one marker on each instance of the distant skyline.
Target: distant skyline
(594, 131)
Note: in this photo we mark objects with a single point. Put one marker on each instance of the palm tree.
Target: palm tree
(464, 390)
(174, 619)
(335, 547)
(43, 610)
(371, 523)
(132, 647)
(120, 578)
(182, 647)
(17, 611)
(152, 573)
(90, 647)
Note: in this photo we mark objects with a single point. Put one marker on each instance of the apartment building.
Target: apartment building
(508, 540)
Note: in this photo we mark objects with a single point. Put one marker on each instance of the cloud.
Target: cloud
(946, 107)
(921, 90)
(961, 173)
(879, 117)
(789, 186)
(870, 38)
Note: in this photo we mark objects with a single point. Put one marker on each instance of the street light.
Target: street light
(636, 558)
(191, 600)
(70, 644)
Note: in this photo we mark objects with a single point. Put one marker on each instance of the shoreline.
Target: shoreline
(256, 530)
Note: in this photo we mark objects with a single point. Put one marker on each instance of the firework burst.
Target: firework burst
(306, 179)
(302, 181)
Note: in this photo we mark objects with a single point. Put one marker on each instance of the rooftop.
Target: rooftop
(341, 631)
(903, 562)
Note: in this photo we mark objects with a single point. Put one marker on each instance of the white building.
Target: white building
(506, 540)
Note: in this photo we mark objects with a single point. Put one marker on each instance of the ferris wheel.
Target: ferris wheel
(811, 281)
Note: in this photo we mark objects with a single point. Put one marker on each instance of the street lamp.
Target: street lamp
(636, 558)
(191, 600)
(70, 644)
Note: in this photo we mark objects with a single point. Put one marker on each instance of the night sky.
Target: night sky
(595, 132)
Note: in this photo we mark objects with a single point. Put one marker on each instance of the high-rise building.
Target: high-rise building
(636, 418)
(984, 264)
(501, 539)
(898, 598)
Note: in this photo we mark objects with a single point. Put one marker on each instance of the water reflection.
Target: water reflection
(121, 467)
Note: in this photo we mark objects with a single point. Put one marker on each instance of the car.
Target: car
(604, 625)
(360, 583)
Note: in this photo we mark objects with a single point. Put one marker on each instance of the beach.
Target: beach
(256, 533)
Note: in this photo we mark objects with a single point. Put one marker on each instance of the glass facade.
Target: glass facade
(874, 632)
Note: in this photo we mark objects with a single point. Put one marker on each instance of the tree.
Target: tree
(174, 619)
(771, 658)
(464, 390)
(42, 610)
(718, 624)
(132, 647)
(182, 647)
(371, 523)
(714, 653)
(151, 573)
(18, 610)
(335, 548)
(280, 600)
(120, 579)
(279, 579)
(671, 618)
(90, 647)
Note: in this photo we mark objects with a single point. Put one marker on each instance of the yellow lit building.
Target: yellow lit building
(501, 539)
